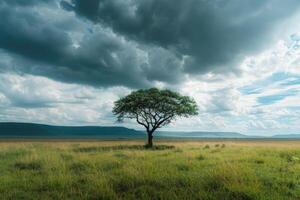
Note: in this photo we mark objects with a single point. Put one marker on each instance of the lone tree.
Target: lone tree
(154, 108)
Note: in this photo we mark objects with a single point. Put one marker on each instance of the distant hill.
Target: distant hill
(291, 136)
(28, 130)
(200, 134)
(31, 130)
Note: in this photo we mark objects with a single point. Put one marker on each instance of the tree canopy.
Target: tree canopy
(154, 108)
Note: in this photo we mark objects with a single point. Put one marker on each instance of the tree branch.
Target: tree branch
(141, 123)
(159, 123)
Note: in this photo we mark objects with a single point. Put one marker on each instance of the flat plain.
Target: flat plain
(207, 169)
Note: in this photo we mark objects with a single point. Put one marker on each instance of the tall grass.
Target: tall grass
(127, 170)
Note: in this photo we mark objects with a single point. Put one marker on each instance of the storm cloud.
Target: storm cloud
(205, 35)
(135, 43)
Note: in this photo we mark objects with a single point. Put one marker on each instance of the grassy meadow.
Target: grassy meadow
(173, 170)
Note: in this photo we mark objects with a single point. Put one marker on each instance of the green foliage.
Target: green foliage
(201, 157)
(259, 161)
(154, 108)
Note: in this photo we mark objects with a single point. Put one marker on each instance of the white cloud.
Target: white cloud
(38, 99)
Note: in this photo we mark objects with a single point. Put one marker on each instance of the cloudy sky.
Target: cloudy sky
(66, 61)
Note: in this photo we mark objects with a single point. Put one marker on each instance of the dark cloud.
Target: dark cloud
(24, 33)
(39, 46)
(212, 34)
(26, 2)
(134, 43)
(44, 49)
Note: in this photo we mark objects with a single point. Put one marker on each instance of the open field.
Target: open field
(174, 170)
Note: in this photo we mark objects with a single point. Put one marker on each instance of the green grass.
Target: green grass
(172, 170)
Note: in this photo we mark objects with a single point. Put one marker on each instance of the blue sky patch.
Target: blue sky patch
(284, 79)
(270, 99)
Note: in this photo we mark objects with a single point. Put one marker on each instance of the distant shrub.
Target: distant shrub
(162, 147)
(223, 146)
(183, 167)
(34, 165)
(206, 147)
(122, 147)
(201, 157)
(259, 161)
(215, 151)
(217, 145)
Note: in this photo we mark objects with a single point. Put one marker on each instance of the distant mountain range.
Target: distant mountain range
(200, 134)
(292, 136)
(30, 130)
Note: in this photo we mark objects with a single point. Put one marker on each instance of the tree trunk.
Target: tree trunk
(150, 136)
